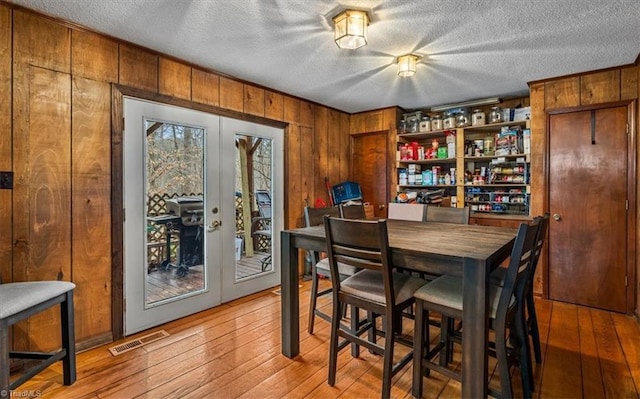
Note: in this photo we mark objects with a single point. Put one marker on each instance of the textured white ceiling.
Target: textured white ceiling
(470, 48)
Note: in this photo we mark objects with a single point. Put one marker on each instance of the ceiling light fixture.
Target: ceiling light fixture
(407, 65)
(351, 29)
(471, 103)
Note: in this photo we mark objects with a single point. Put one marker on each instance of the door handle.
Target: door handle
(214, 225)
(556, 217)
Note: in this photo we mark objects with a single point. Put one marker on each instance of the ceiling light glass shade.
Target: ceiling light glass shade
(407, 65)
(351, 29)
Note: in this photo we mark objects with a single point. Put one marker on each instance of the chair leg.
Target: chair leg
(502, 360)
(68, 339)
(524, 355)
(446, 328)
(355, 321)
(333, 344)
(373, 331)
(532, 328)
(313, 300)
(387, 361)
(420, 346)
(4, 362)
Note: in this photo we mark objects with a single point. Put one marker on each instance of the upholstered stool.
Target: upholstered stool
(19, 301)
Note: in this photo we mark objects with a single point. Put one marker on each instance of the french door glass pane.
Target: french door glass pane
(175, 238)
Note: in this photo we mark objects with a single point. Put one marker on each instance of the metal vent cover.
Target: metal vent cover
(138, 342)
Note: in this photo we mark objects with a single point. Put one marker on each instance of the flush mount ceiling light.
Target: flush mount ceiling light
(407, 65)
(351, 29)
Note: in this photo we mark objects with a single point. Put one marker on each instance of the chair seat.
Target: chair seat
(447, 291)
(368, 284)
(322, 268)
(17, 297)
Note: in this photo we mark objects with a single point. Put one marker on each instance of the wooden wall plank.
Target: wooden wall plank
(138, 68)
(333, 146)
(538, 183)
(629, 83)
(291, 110)
(41, 42)
(174, 79)
(273, 105)
(45, 195)
(231, 94)
(253, 100)
(371, 121)
(307, 111)
(94, 56)
(345, 142)
(562, 93)
(91, 210)
(307, 170)
(6, 143)
(294, 176)
(600, 87)
(321, 153)
(205, 87)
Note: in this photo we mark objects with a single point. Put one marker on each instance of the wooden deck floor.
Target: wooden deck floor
(164, 284)
(233, 351)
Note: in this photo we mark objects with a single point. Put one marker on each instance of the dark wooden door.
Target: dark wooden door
(369, 168)
(588, 164)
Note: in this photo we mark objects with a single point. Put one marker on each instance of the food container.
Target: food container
(477, 118)
(495, 116)
(437, 123)
(462, 119)
(425, 124)
(450, 121)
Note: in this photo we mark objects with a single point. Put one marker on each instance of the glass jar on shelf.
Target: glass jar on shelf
(425, 124)
(495, 116)
(436, 122)
(477, 117)
(450, 120)
(462, 119)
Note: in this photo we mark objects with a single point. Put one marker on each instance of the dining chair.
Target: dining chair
(261, 226)
(399, 211)
(377, 289)
(352, 211)
(445, 214)
(22, 300)
(320, 267)
(498, 276)
(444, 295)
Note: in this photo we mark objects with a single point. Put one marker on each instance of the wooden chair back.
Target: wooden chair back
(352, 211)
(518, 271)
(400, 211)
(360, 243)
(315, 217)
(445, 214)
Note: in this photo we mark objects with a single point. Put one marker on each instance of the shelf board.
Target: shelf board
(491, 127)
(429, 161)
(489, 158)
(425, 135)
(497, 185)
(424, 186)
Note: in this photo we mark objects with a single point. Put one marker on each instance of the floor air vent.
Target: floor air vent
(135, 343)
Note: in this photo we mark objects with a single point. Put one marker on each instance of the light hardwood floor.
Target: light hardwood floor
(233, 351)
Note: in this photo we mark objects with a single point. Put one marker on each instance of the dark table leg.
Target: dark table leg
(475, 333)
(290, 322)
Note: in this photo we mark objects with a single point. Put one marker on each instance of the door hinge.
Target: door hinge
(626, 281)
(626, 205)
(627, 128)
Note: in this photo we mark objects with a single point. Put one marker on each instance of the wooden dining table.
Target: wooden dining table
(469, 251)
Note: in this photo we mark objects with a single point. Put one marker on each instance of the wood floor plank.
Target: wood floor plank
(616, 376)
(562, 376)
(628, 330)
(591, 376)
(233, 350)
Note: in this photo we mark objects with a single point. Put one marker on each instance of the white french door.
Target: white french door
(179, 185)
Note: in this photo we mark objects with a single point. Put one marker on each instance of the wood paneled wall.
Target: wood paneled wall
(58, 140)
(605, 86)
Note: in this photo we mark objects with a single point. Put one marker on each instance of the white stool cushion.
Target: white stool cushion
(322, 268)
(17, 297)
(368, 284)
